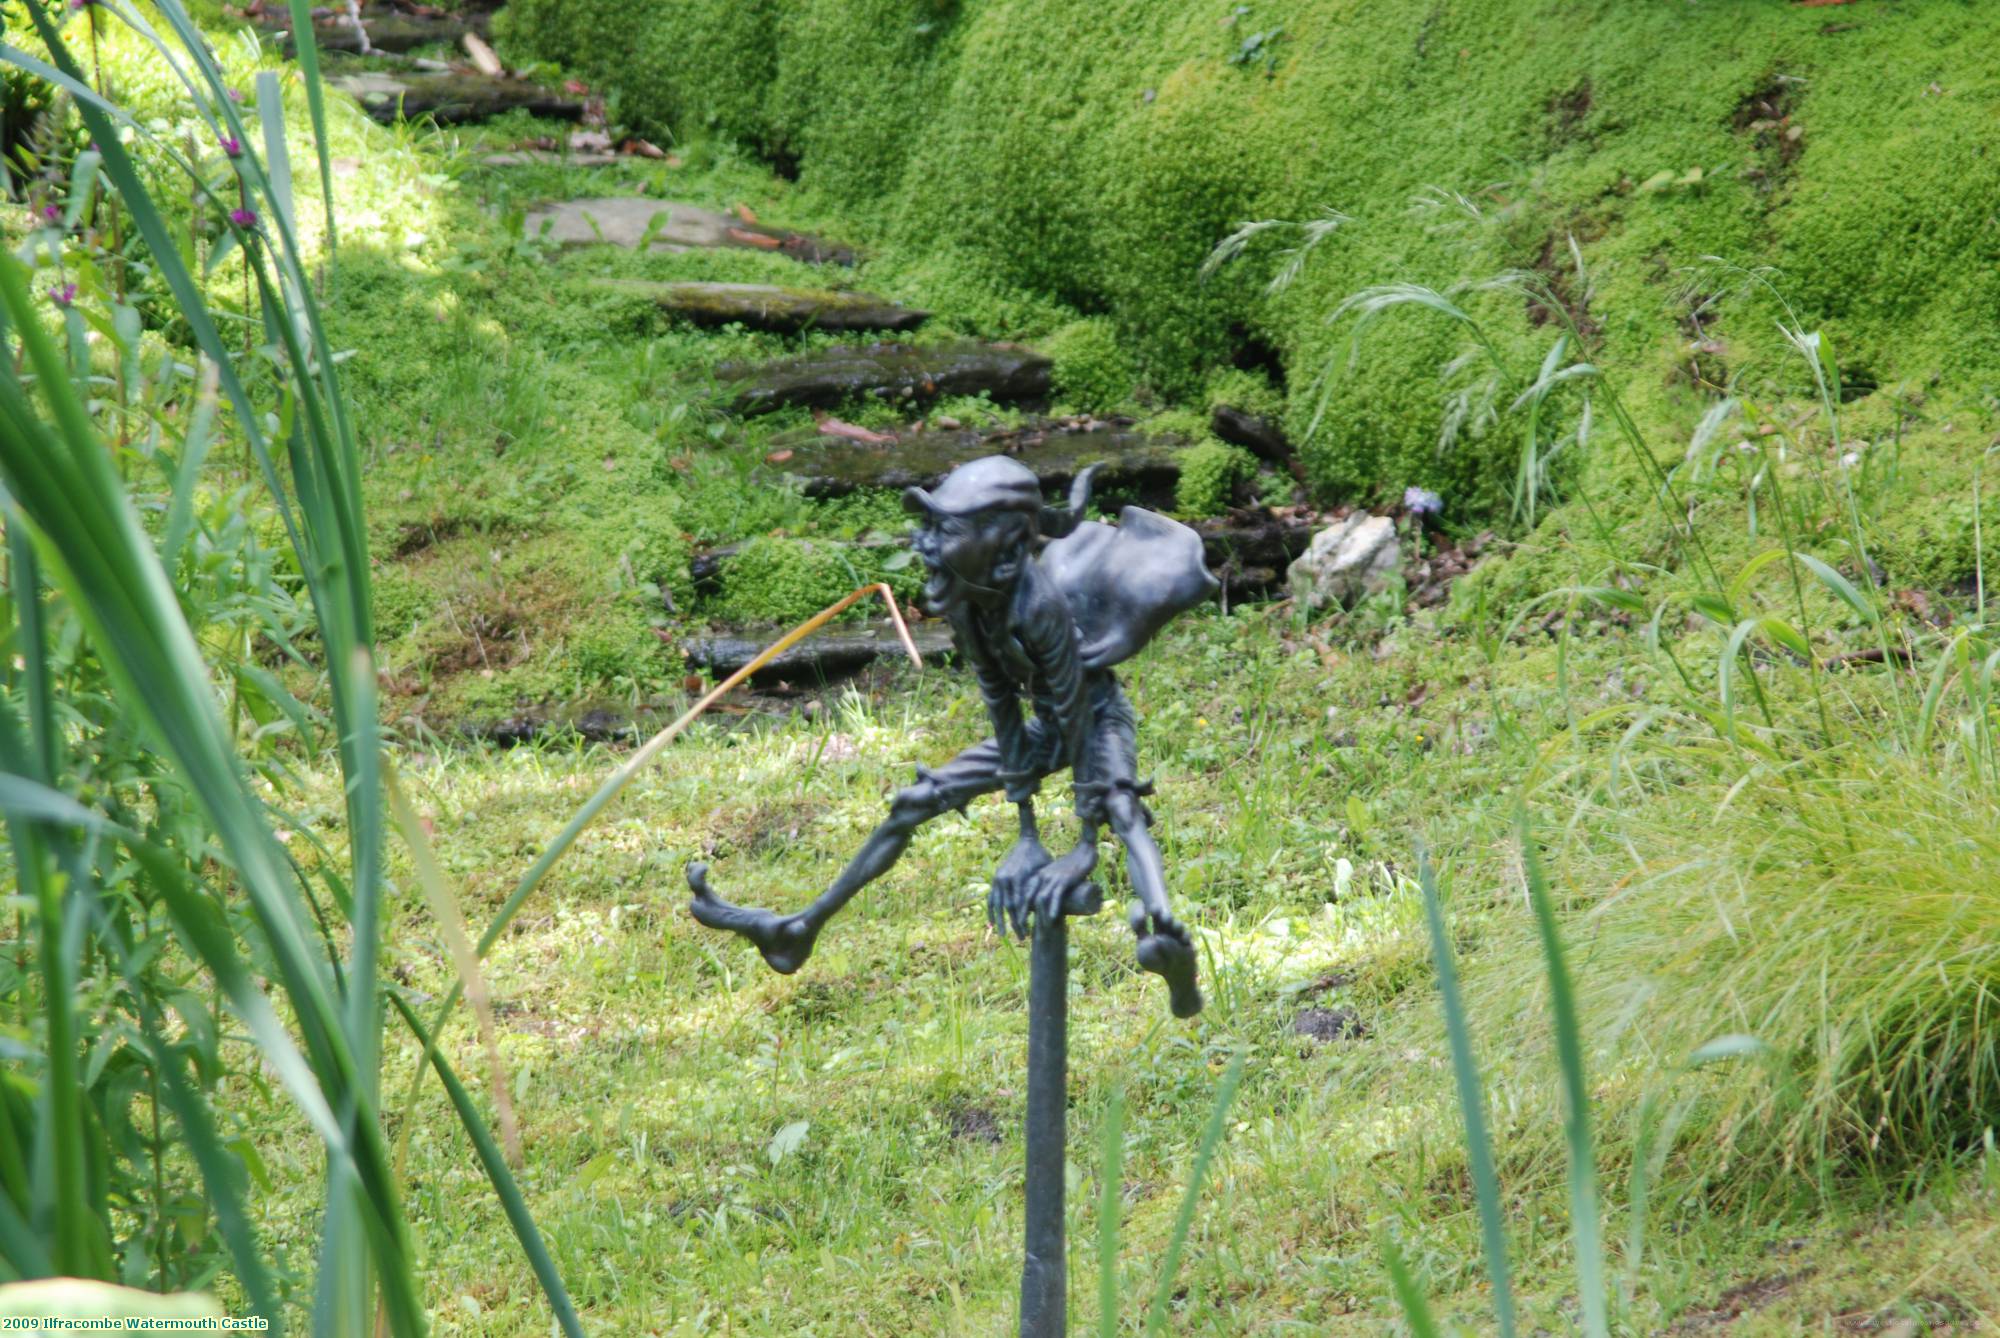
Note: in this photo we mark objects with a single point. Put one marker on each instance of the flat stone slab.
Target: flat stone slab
(451, 99)
(833, 653)
(665, 225)
(1247, 550)
(904, 373)
(1129, 459)
(388, 31)
(763, 306)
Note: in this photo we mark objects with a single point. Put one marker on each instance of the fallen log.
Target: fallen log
(1129, 461)
(393, 33)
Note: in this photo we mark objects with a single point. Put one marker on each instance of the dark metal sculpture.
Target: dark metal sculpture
(1047, 626)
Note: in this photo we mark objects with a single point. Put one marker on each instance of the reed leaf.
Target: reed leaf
(1585, 1224)
(1471, 1102)
(1211, 1138)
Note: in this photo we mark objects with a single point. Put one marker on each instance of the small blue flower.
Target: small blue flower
(1422, 501)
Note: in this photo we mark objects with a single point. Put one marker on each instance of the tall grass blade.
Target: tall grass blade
(1841, 587)
(98, 555)
(1585, 1223)
(1471, 1103)
(516, 1207)
(26, 800)
(1725, 671)
(1211, 1138)
(81, 1248)
(305, 51)
(277, 161)
(1409, 1296)
(445, 909)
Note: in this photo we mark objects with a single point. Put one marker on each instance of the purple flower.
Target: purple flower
(1422, 501)
(63, 294)
(52, 212)
(234, 95)
(80, 4)
(243, 218)
(232, 146)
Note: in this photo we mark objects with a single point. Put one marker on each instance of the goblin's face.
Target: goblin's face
(959, 554)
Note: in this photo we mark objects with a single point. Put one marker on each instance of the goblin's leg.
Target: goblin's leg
(1165, 948)
(787, 940)
(1164, 945)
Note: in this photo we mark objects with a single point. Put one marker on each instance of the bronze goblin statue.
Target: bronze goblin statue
(1049, 628)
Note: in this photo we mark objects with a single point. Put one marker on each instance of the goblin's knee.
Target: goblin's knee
(914, 805)
(1123, 810)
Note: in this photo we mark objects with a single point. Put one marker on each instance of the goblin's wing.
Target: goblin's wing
(1124, 582)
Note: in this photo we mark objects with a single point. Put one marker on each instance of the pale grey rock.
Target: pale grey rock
(1346, 562)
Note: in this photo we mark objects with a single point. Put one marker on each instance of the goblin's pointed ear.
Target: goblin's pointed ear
(918, 503)
(1055, 521)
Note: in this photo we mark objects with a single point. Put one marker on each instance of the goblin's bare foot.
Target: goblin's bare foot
(784, 940)
(1166, 950)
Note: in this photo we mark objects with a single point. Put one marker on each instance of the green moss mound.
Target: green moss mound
(1210, 473)
(1092, 369)
(773, 579)
(1016, 153)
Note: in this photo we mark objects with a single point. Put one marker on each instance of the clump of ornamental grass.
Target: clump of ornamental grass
(1835, 927)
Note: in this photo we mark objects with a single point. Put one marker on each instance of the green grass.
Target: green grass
(653, 1064)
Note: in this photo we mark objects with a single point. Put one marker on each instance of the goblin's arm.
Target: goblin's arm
(1010, 730)
(1061, 710)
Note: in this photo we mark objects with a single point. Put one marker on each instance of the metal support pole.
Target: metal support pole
(1045, 1267)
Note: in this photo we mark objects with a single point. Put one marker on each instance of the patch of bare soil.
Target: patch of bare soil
(1736, 1302)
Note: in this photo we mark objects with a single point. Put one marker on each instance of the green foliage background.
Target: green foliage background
(1093, 153)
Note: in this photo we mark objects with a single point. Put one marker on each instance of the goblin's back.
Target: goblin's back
(1125, 582)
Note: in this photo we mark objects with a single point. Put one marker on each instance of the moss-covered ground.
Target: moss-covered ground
(1023, 151)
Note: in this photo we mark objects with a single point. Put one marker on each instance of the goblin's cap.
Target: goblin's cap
(995, 483)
